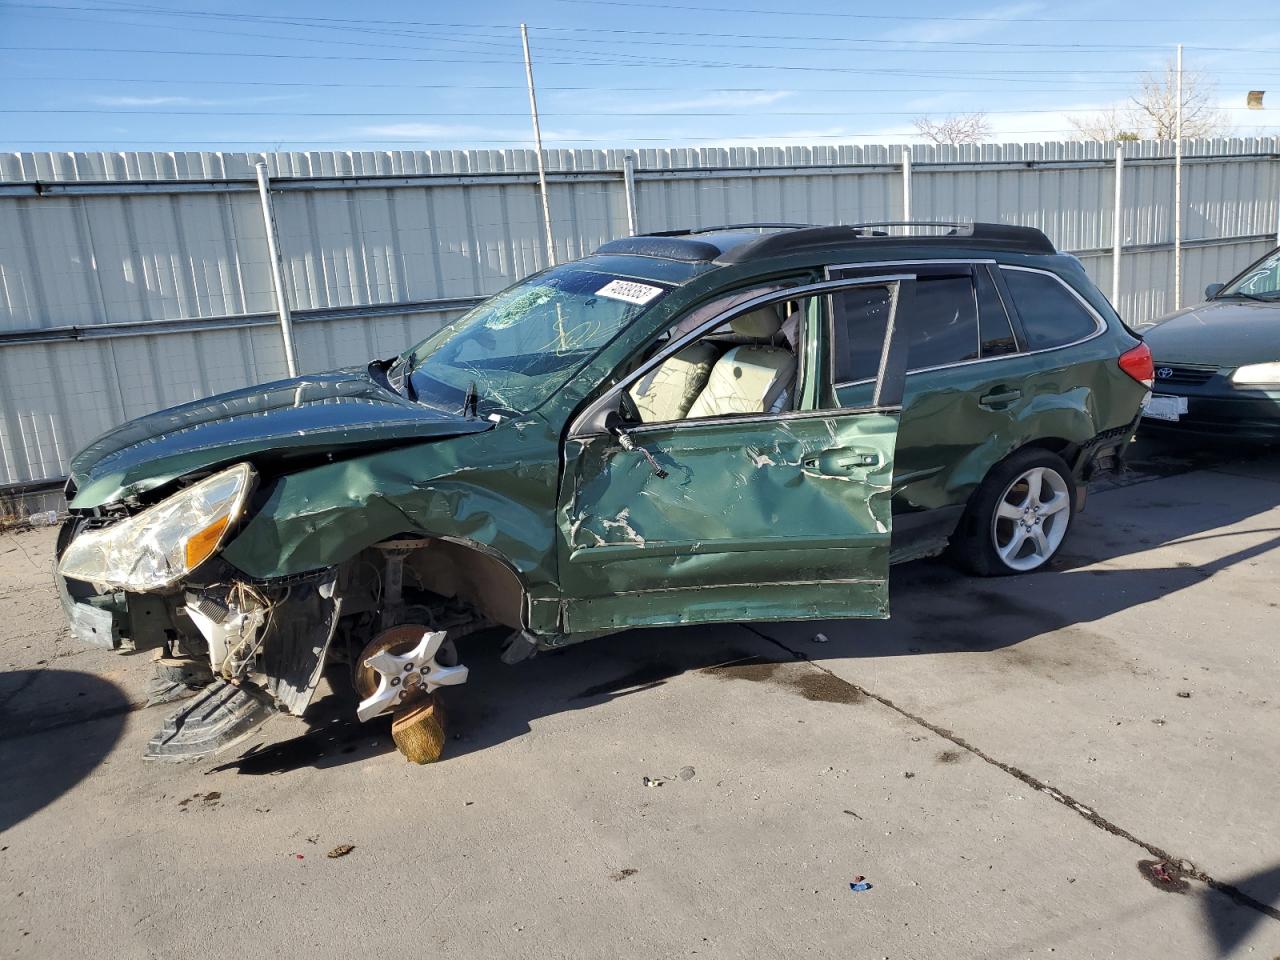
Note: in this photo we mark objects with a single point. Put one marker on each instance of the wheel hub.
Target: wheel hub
(400, 664)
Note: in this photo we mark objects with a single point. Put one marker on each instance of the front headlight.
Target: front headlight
(162, 544)
(1257, 373)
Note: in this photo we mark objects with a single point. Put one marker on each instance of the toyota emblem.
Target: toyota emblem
(1164, 373)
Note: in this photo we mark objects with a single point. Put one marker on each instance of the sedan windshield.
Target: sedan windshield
(516, 349)
(1261, 282)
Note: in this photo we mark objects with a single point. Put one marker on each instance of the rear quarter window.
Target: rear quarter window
(1051, 314)
(941, 326)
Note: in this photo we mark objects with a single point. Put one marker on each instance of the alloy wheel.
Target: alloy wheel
(1031, 518)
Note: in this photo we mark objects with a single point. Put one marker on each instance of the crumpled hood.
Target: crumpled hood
(1218, 333)
(270, 424)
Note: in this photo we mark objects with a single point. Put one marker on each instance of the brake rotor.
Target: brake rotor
(398, 640)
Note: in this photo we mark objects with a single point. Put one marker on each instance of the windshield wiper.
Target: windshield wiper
(1246, 296)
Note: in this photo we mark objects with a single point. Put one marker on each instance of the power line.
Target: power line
(619, 142)
(717, 65)
(1056, 85)
(497, 39)
(668, 114)
(792, 12)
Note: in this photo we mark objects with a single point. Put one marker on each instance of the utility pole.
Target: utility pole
(277, 271)
(1177, 193)
(537, 143)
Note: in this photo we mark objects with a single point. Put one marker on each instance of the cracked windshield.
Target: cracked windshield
(515, 350)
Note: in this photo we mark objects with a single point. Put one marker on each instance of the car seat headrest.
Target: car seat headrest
(763, 322)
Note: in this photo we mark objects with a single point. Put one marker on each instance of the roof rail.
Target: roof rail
(694, 231)
(984, 235)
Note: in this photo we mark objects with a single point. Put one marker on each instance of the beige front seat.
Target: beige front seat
(668, 390)
(749, 379)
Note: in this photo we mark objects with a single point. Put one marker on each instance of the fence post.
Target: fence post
(1117, 231)
(277, 273)
(906, 183)
(629, 186)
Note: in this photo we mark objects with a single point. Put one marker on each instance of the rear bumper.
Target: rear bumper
(1104, 453)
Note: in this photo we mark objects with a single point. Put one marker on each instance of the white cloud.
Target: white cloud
(952, 31)
(176, 101)
(729, 99)
(458, 132)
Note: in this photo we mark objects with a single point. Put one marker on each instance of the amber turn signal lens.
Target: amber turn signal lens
(201, 545)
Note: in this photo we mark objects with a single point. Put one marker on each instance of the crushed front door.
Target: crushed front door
(760, 517)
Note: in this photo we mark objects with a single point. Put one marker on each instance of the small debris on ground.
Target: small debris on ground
(858, 884)
(209, 799)
(1164, 875)
(687, 773)
(655, 781)
(908, 774)
(1185, 694)
(341, 850)
(622, 874)
(852, 814)
(820, 638)
(1159, 721)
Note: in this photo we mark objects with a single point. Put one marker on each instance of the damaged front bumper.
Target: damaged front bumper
(256, 651)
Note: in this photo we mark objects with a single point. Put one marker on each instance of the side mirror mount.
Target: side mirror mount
(1212, 290)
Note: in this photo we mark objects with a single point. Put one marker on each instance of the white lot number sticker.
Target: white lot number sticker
(628, 290)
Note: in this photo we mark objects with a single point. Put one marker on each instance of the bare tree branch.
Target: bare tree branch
(1152, 113)
(961, 128)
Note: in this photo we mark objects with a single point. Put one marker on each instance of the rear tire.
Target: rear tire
(1019, 517)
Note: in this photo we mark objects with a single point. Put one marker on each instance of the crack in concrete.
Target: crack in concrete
(1185, 867)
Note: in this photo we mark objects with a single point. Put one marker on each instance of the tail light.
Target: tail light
(1138, 364)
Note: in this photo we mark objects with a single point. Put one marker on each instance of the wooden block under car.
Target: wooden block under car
(418, 731)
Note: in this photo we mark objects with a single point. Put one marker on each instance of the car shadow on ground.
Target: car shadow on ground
(36, 775)
(936, 610)
(1228, 924)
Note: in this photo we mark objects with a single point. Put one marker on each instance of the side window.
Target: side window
(749, 365)
(859, 318)
(1050, 313)
(993, 321)
(941, 326)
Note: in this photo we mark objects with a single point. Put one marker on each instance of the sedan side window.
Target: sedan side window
(941, 327)
(1050, 313)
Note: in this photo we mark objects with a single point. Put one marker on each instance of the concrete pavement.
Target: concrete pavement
(997, 760)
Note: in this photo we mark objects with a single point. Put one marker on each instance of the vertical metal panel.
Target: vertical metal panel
(87, 260)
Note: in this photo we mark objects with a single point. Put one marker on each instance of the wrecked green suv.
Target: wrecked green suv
(733, 424)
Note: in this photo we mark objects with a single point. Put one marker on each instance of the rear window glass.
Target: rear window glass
(1051, 315)
(942, 327)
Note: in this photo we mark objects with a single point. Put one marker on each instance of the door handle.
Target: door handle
(999, 398)
(843, 461)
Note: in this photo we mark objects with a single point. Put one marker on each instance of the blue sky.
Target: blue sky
(238, 75)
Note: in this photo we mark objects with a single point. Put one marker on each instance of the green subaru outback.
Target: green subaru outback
(740, 423)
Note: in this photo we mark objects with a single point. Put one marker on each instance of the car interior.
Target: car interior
(749, 365)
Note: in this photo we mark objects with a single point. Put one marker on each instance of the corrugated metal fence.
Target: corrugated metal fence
(134, 281)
